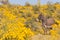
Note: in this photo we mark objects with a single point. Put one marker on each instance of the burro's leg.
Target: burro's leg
(47, 29)
(44, 29)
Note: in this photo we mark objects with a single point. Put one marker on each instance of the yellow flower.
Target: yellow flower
(53, 32)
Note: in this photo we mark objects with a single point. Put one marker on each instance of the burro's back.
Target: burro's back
(50, 21)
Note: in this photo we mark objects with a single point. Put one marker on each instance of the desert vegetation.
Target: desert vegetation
(21, 22)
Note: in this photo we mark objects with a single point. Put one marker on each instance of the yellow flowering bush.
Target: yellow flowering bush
(19, 22)
(12, 27)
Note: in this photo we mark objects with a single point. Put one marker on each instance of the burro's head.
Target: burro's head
(42, 17)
